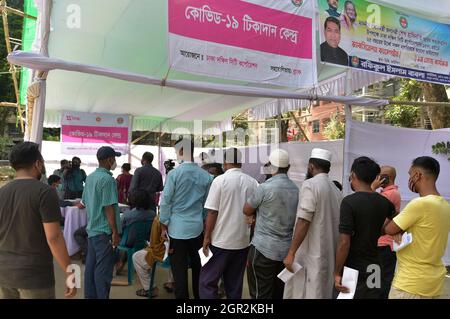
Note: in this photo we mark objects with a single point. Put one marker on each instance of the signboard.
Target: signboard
(261, 41)
(367, 36)
(85, 133)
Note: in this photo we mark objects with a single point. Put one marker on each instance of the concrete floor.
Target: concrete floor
(129, 292)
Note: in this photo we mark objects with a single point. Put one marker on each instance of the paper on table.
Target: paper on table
(285, 275)
(406, 240)
(204, 259)
(349, 280)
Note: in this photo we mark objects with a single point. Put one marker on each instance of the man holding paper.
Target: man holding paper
(227, 233)
(420, 271)
(275, 205)
(362, 217)
(316, 232)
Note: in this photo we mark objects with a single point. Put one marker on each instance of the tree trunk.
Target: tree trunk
(439, 115)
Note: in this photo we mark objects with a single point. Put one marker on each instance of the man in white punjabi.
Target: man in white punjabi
(316, 232)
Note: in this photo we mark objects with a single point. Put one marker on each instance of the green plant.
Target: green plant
(5, 145)
(335, 128)
(441, 148)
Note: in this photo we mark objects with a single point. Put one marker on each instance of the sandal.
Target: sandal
(169, 286)
(145, 293)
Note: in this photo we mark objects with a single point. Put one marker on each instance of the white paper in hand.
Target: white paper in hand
(349, 280)
(166, 253)
(285, 275)
(204, 259)
(406, 240)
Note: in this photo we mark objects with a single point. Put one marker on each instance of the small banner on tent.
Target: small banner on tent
(85, 133)
(367, 36)
(262, 41)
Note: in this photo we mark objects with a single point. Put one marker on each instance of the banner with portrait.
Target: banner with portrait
(85, 133)
(364, 35)
(260, 41)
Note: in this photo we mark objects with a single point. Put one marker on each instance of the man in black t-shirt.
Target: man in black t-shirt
(363, 215)
(30, 233)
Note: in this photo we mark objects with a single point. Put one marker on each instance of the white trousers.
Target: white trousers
(142, 268)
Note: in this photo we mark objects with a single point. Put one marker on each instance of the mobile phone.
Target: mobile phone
(384, 179)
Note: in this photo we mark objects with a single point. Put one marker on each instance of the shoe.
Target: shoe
(169, 287)
(145, 293)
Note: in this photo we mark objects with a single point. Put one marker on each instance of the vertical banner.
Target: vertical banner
(262, 41)
(85, 133)
(367, 36)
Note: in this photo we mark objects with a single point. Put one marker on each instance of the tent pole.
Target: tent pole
(37, 125)
(348, 119)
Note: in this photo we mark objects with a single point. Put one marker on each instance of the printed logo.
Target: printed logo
(403, 22)
(120, 120)
(355, 61)
(98, 119)
(297, 3)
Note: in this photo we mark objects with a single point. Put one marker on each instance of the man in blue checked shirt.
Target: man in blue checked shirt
(182, 216)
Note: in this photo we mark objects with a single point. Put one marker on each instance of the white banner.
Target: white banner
(251, 40)
(85, 133)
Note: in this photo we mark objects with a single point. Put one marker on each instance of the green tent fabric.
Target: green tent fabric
(131, 35)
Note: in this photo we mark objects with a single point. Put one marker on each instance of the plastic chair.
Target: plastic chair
(164, 264)
(141, 231)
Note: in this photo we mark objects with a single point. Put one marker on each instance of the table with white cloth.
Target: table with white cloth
(76, 218)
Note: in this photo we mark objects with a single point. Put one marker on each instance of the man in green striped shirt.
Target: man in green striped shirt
(101, 200)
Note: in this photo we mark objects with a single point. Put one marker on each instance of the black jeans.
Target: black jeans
(262, 272)
(184, 252)
(388, 260)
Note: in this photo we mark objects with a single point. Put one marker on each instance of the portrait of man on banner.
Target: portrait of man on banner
(329, 50)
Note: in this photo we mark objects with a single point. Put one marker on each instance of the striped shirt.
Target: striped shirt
(100, 191)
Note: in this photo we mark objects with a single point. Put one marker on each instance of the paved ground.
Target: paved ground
(128, 292)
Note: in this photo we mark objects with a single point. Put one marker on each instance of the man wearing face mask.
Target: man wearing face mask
(74, 179)
(30, 233)
(420, 271)
(362, 217)
(316, 232)
(100, 198)
(54, 181)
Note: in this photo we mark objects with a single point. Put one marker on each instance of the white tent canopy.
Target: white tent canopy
(127, 40)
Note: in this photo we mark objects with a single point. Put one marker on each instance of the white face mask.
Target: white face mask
(114, 166)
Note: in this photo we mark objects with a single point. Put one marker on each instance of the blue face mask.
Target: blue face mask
(59, 188)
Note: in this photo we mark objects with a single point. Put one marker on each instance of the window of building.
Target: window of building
(316, 126)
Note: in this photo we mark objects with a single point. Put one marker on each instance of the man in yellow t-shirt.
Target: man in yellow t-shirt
(420, 271)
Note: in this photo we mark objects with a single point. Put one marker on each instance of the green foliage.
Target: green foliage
(335, 128)
(405, 115)
(402, 115)
(441, 148)
(5, 146)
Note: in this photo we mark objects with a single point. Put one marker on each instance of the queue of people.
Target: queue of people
(252, 228)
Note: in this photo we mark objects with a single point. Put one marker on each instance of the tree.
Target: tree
(6, 85)
(412, 90)
(405, 115)
(439, 115)
(335, 128)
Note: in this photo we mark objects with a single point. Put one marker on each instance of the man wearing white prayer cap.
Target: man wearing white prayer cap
(316, 232)
(275, 205)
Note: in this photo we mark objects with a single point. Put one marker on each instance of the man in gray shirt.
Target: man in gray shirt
(275, 204)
